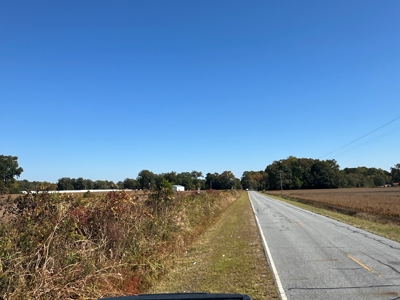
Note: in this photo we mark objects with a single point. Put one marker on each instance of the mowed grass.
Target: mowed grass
(228, 258)
(373, 210)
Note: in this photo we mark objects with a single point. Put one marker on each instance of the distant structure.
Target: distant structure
(178, 188)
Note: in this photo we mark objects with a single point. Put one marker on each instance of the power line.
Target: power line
(360, 137)
(370, 141)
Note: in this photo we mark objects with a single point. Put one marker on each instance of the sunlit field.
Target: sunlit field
(379, 204)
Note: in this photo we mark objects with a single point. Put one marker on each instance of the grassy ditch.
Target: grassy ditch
(388, 230)
(58, 246)
(228, 258)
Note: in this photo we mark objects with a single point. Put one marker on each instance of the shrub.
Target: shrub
(58, 246)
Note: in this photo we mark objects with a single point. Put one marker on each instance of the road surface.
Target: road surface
(315, 257)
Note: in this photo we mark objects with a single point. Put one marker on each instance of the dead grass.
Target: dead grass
(228, 258)
(59, 246)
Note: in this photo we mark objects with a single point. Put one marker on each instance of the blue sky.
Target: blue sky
(104, 89)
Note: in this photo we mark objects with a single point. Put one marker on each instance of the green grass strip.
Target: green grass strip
(228, 258)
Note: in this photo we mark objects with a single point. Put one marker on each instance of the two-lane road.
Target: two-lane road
(318, 258)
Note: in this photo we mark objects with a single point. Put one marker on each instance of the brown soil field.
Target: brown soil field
(377, 204)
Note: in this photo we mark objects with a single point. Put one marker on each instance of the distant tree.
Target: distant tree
(280, 172)
(395, 172)
(89, 184)
(185, 179)
(170, 177)
(379, 180)
(363, 177)
(8, 170)
(111, 185)
(196, 178)
(129, 184)
(64, 184)
(254, 180)
(225, 180)
(302, 173)
(101, 185)
(25, 185)
(324, 174)
(146, 180)
(212, 181)
(79, 184)
(120, 185)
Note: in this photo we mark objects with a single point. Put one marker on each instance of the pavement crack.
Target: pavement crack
(382, 263)
(366, 235)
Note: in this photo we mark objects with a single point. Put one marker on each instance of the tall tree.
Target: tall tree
(130, 183)
(147, 180)
(395, 172)
(64, 184)
(196, 178)
(185, 179)
(324, 173)
(212, 181)
(254, 180)
(79, 184)
(8, 170)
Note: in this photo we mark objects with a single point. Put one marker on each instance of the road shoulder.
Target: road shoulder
(228, 258)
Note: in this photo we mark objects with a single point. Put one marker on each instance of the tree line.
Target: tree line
(308, 173)
(289, 173)
(147, 180)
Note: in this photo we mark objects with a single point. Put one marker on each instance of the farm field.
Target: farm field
(376, 204)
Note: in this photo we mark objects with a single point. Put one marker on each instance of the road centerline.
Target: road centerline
(314, 262)
(361, 264)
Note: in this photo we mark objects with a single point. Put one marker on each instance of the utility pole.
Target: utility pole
(280, 174)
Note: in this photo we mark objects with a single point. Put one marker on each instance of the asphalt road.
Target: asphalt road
(318, 258)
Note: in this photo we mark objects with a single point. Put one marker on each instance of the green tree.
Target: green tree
(212, 181)
(146, 179)
(196, 178)
(379, 180)
(324, 173)
(185, 179)
(224, 181)
(79, 184)
(8, 170)
(101, 185)
(130, 184)
(254, 180)
(64, 184)
(89, 184)
(171, 177)
(395, 172)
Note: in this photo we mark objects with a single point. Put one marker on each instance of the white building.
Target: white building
(178, 188)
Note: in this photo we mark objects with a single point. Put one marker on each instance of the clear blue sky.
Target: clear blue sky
(104, 89)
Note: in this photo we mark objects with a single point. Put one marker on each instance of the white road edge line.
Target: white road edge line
(278, 283)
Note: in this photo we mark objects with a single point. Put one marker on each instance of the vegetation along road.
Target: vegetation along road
(315, 257)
